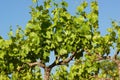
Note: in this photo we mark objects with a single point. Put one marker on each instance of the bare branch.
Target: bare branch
(116, 54)
(63, 62)
(40, 64)
(54, 63)
(66, 60)
(114, 58)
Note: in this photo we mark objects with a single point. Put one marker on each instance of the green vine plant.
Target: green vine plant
(52, 30)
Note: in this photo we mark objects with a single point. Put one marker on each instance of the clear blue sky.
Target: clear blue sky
(16, 12)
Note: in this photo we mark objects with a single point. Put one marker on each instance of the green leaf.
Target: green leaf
(94, 5)
(39, 7)
(62, 51)
(46, 56)
(82, 7)
(59, 38)
(63, 3)
(34, 1)
(47, 4)
(2, 54)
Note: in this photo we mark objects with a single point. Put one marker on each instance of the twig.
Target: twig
(66, 60)
(40, 64)
(63, 62)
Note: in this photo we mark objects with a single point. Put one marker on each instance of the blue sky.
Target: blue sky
(12, 13)
(16, 12)
(108, 10)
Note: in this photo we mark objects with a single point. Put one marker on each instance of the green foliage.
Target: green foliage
(34, 1)
(61, 73)
(65, 35)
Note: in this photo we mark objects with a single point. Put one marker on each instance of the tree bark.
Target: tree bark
(47, 71)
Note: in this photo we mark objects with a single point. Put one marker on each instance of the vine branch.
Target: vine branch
(63, 62)
(40, 64)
